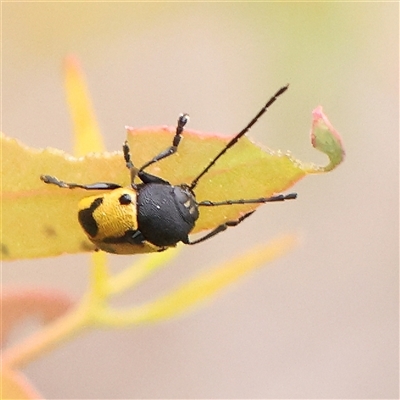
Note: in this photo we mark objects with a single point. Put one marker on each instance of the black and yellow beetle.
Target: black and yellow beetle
(153, 215)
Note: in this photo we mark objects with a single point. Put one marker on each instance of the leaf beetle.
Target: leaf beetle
(153, 215)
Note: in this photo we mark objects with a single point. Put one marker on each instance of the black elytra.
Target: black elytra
(154, 215)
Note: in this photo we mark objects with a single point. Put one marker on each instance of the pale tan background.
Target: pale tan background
(321, 322)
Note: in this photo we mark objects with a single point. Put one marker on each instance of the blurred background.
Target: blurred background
(321, 322)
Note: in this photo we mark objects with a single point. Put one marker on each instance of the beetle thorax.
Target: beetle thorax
(166, 214)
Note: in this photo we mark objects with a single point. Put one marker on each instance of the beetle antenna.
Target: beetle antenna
(239, 135)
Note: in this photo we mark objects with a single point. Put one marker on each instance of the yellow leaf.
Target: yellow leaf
(246, 171)
(38, 221)
(86, 130)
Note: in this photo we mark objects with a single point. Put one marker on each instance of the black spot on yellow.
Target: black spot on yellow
(86, 219)
(125, 199)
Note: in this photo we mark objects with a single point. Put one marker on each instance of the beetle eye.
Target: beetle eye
(125, 199)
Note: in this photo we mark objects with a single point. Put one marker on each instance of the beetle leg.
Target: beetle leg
(91, 186)
(127, 156)
(143, 176)
(148, 178)
(226, 225)
(128, 162)
(220, 228)
(182, 121)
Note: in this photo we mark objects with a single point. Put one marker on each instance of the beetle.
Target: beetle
(154, 215)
